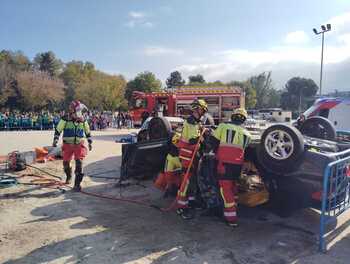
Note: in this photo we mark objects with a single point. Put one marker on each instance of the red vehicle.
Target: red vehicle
(221, 101)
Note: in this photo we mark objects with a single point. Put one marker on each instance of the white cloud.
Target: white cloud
(136, 15)
(340, 23)
(148, 24)
(296, 56)
(160, 51)
(297, 37)
(138, 19)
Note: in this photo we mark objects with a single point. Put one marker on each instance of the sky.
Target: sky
(220, 39)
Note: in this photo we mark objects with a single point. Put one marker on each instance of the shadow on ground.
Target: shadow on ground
(124, 232)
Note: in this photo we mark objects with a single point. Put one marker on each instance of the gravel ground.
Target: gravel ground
(40, 225)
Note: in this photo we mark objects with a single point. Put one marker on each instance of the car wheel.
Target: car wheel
(159, 128)
(318, 127)
(281, 148)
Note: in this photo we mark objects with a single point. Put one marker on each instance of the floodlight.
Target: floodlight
(323, 27)
(329, 26)
(315, 30)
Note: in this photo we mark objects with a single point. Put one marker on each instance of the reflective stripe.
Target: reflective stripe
(182, 202)
(191, 198)
(187, 150)
(226, 204)
(230, 213)
(185, 158)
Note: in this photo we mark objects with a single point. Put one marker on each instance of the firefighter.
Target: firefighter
(74, 128)
(187, 143)
(170, 179)
(229, 141)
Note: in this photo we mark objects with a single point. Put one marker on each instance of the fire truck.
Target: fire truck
(221, 101)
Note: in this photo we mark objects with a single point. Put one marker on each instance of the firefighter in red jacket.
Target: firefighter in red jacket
(229, 141)
(188, 140)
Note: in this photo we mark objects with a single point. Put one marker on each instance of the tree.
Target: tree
(102, 91)
(174, 80)
(10, 64)
(47, 62)
(75, 74)
(196, 79)
(297, 92)
(262, 84)
(143, 82)
(38, 89)
(250, 93)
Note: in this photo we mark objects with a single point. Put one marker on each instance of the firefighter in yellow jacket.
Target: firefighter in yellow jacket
(74, 129)
(188, 140)
(229, 141)
(170, 179)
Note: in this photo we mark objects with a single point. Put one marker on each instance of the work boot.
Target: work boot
(68, 179)
(186, 213)
(232, 223)
(78, 175)
(67, 171)
(78, 179)
(77, 188)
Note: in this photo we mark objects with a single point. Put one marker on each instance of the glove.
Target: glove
(54, 143)
(90, 143)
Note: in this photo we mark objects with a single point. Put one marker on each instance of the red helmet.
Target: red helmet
(74, 106)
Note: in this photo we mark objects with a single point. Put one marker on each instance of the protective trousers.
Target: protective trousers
(229, 190)
(186, 195)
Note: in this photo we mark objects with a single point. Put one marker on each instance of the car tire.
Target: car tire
(159, 128)
(318, 127)
(281, 149)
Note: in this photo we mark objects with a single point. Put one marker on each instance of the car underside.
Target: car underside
(289, 164)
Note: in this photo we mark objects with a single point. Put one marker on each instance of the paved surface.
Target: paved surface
(49, 226)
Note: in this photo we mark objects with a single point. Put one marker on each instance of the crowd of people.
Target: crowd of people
(28, 120)
(15, 120)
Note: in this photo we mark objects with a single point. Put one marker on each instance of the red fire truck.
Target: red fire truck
(221, 101)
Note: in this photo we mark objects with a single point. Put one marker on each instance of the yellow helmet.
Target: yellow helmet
(199, 103)
(240, 111)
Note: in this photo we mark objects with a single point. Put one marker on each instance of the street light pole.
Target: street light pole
(321, 73)
(324, 30)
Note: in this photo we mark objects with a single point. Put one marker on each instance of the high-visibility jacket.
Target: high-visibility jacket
(233, 140)
(73, 132)
(190, 132)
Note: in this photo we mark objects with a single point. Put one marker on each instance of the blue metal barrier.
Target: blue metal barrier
(335, 194)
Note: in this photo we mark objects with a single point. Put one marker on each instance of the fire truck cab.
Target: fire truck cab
(221, 101)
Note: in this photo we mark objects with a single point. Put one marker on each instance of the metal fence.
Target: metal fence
(335, 195)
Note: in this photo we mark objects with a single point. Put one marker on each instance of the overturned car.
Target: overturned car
(289, 164)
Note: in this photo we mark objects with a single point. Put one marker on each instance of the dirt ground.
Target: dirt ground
(40, 225)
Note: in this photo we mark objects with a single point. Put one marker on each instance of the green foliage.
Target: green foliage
(143, 82)
(262, 84)
(175, 79)
(196, 79)
(298, 91)
(250, 93)
(102, 91)
(47, 62)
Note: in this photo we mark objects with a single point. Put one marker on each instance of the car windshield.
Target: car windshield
(146, 123)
